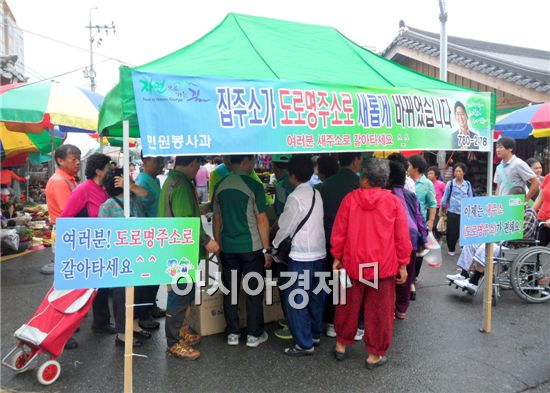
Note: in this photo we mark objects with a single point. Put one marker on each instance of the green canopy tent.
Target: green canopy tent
(249, 47)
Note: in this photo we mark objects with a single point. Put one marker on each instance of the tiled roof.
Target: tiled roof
(522, 66)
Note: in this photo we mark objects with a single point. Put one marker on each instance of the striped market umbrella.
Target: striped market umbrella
(19, 142)
(31, 108)
(531, 120)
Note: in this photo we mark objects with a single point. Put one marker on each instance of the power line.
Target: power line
(68, 72)
(33, 74)
(73, 46)
(31, 70)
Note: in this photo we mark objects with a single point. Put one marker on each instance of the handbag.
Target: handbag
(442, 225)
(434, 257)
(283, 251)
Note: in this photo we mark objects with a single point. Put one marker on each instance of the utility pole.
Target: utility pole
(443, 41)
(90, 72)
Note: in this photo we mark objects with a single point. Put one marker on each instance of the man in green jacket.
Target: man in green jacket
(178, 198)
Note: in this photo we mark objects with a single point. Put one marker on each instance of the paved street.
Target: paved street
(438, 349)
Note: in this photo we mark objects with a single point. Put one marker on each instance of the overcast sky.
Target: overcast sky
(147, 30)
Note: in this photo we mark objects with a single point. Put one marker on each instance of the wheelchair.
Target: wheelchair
(522, 266)
(525, 269)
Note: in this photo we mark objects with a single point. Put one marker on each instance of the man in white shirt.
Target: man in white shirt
(304, 308)
(513, 171)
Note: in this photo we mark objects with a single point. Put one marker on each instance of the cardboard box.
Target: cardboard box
(208, 318)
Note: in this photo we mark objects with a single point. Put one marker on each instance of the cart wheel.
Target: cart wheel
(19, 360)
(48, 372)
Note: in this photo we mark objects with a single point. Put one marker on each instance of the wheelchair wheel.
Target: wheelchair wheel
(530, 274)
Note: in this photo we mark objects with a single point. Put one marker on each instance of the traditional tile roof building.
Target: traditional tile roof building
(12, 50)
(518, 76)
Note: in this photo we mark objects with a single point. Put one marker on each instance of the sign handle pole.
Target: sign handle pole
(129, 340)
(488, 298)
(129, 331)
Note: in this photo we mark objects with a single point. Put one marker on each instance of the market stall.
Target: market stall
(257, 85)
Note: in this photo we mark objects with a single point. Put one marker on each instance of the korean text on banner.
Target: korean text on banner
(491, 219)
(120, 252)
(193, 116)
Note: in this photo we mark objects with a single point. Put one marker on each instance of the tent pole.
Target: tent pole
(28, 177)
(52, 160)
(129, 329)
(488, 295)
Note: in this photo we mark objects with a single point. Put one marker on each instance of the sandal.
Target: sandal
(182, 351)
(142, 333)
(400, 315)
(370, 366)
(135, 343)
(339, 355)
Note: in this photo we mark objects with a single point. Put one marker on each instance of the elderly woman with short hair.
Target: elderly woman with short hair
(370, 227)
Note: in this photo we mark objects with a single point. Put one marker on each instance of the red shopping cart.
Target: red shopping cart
(47, 332)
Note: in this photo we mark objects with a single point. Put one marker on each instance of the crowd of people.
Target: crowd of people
(333, 214)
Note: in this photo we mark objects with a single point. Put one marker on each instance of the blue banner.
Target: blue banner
(491, 219)
(203, 116)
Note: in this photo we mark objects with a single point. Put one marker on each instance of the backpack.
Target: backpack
(469, 189)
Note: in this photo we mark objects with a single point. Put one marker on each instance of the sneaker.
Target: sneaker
(462, 282)
(316, 342)
(455, 277)
(472, 288)
(283, 333)
(233, 339)
(451, 253)
(298, 351)
(253, 341)
(182, 351)
(283, 323)
(330, 332)
(359, 335)
(189, 337)
(466, 284)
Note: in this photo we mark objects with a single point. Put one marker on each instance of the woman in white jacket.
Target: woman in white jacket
(304, 308)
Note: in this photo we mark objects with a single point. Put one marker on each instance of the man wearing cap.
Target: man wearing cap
(284, 187)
